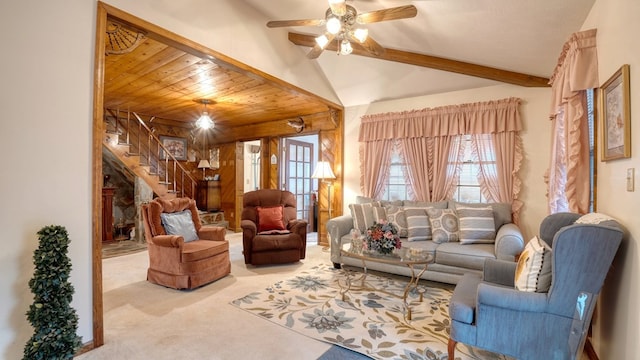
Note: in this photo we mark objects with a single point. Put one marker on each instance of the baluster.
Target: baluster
(128, 127)
(117, 125)
(174, 177)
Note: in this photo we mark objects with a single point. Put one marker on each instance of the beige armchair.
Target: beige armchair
(183, 254)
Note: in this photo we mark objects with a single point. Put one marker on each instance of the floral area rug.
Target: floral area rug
(371, 320)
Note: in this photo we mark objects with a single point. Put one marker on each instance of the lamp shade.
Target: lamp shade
(323, 171)
(204, 164)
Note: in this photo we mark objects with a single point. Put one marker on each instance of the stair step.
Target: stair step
(164, 182)
(133, 154)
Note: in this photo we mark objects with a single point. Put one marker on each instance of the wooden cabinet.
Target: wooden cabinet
(208, 196)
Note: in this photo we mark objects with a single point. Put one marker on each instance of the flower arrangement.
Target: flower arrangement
(382, 237)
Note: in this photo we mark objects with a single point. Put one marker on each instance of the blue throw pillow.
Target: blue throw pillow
(179, 223)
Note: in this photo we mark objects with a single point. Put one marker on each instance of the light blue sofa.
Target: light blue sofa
(451, 260)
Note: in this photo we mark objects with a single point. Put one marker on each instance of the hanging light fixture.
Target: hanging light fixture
(341, 22)
(204, 121)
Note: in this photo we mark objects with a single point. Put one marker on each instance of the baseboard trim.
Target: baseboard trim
(85, 348)
(591, 352)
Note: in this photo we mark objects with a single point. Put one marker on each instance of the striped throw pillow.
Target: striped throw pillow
(477, 225)
(364, 215)
(418, 226)
(533, 273)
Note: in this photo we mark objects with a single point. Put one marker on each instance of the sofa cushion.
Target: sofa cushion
(533, 272)
(270, 218)
(476, 224)
(396, 216)
(470, 256)
(364, 215)
(179, 223)
(203, 249)
(418, 226)
(501, 211)
(444, 225)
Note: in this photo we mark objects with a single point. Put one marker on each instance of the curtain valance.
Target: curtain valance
(475, 118)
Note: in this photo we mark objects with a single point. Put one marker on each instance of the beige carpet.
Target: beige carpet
(146, 321)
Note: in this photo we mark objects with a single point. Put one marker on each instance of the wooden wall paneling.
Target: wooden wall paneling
(265, 173)
(228, 182)
(331, 143)
(274, 169)
(239, 185)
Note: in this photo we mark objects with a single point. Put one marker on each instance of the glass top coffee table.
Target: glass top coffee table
(415, 261)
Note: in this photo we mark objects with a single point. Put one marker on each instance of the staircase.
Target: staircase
(137, 147)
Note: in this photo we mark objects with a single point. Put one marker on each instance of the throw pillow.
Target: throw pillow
(444, 225)
(418, 226)
(533, 273)
(270, 218)
(476, 225)
(396, 216)
(179, 223)
(594, 218)
(501, 211)
(364, 215)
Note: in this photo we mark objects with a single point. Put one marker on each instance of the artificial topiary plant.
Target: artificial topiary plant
(54, 321)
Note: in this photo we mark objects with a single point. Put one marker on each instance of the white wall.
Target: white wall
(617, 326)
(46, 125)
(535, 114)
(46, 69)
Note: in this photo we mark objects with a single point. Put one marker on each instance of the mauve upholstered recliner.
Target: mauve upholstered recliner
(491, 314)
(178, 264)
(272, 247)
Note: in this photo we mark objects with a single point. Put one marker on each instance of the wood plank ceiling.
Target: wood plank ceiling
(152, 78)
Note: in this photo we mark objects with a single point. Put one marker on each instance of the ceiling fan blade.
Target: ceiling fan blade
(317, 49)
(307, 22)
(400, 12)
(371, 46)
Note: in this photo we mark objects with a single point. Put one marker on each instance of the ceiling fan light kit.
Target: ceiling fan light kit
(342, 25)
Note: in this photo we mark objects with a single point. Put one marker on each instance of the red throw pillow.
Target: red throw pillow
(270, 218)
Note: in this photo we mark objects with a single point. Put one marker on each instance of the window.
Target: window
(468, 186)
(396, 187)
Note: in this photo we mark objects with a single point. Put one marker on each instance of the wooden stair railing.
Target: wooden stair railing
(136, 145)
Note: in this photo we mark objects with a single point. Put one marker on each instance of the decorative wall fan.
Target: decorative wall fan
(344, 25)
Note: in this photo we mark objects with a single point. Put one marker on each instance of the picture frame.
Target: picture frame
(176, 146)
(615, 113)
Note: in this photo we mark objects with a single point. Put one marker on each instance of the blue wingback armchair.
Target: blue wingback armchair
(488, 312)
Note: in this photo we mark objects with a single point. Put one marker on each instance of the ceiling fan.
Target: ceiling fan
(344, 25)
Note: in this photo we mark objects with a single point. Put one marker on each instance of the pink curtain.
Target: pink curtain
(498, 176)
(374, 156)
(430, 144)
(415, 154)
(568, 174)
(447, 154)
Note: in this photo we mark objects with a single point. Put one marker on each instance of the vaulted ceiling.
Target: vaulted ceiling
(449, 45)
(524, 37)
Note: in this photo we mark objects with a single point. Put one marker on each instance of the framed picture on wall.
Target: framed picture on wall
(616, 116)
(176, 146)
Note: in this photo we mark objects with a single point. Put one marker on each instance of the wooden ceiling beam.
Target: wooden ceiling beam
(434, 62)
